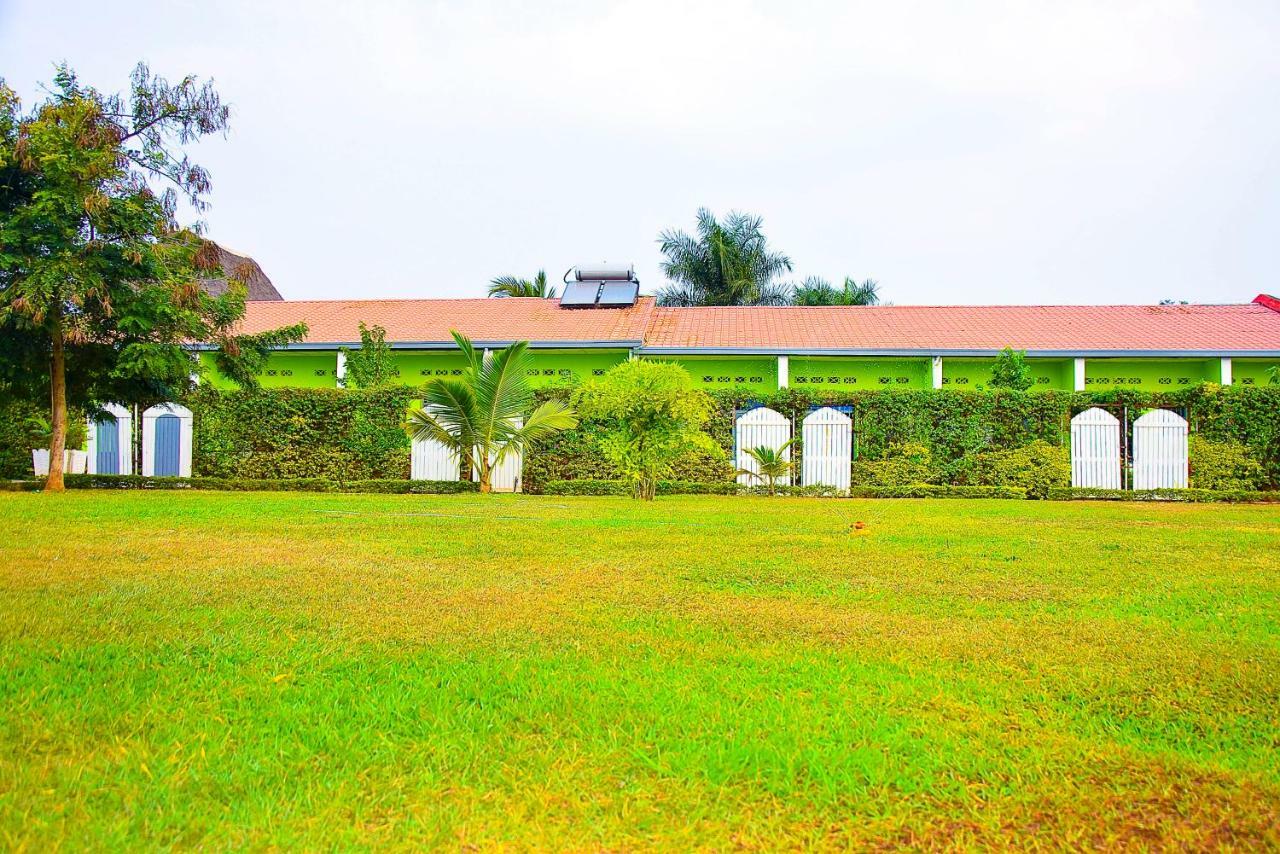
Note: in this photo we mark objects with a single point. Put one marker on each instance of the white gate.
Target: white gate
(505, 476)
(1095, 450)
(757, 427)
(107, 456)
(166, 441)
(431, 460)
(1160, 450)
(827, 451)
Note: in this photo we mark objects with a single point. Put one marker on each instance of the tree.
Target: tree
(1011, 370)
(650, 416)
(725, 263)
(771, 464)
(99, 296)
(818, 291)
(476, 415)
(510, 286)
(370, 366)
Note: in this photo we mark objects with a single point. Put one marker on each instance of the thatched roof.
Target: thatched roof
(244, 269)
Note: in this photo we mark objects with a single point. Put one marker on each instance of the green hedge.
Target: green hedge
(933, 490)
(622, 487)
(225, 484)
(1209, 496)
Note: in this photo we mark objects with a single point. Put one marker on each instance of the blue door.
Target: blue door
(108, 436)
(168, 437)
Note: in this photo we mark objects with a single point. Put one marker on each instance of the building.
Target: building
(1148, 348)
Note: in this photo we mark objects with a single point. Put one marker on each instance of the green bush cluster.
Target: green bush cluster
(931, 490)
(1034, 468)
(902, 465)
(1222, 465)
(1205, 496)
(622, 487)
(225, 484)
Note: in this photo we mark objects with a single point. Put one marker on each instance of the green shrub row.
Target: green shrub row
(1202, 496)
(226, 484)
(933, 490)
(621, 487)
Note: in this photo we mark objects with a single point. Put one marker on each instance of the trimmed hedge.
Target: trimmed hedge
(226, 484)
(1206, 496)
(622, 487)
(933, 490)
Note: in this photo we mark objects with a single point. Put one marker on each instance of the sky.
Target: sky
(958, 153)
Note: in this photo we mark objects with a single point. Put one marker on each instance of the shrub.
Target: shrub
(1222, 465)
(300, 484)
(1037, 468)
(903, 465)
(930, 490)
(1210, 496)
(1011, 371)
(623, 487)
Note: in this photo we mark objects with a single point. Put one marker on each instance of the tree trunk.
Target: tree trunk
(58, 386)
(485, 476)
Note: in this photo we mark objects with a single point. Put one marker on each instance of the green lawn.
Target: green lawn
(232, 670)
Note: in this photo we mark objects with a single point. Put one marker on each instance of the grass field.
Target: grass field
(232, 670)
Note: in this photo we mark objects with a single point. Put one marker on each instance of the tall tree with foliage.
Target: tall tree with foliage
(818, 291)
(1011, 370)
(99, 296)
(371, 365)
(511, 286)
(478, 415)
(725, 262)
(651, 416)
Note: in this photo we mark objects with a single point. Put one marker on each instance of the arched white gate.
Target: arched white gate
(1160, 450)
(166, 441)
(1095, 450)
(827, 450)
(111, 442)
(505, 476)
(757, 427)
(430, 460)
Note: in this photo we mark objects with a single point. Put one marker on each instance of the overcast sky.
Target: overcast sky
(1011, 152)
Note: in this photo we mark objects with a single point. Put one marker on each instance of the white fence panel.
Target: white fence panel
(828, 448)
(1160, 450)
(506, 476)
(1095, 450)
(756, 427)
(431, 460)
(151, 435)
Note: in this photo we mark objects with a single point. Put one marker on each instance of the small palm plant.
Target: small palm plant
(477, 416)
(770, 464)
(511, 286)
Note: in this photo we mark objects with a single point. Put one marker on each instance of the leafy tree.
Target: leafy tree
(1273, 375)
(370, 366)
(771, 464)
(99, 295)
(651, 415)
(510, 286)
(726, 262)
(1011, 371)
(818, 291)
(476, 415)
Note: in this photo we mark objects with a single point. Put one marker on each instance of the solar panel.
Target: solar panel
(579, 294)
(619, 293)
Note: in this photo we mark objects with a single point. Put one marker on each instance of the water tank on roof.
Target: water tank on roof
(600, 286)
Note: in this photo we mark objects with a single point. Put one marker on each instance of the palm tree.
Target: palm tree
(725, 263)
(477, 415)
(771, 464)
(818, 291)
(510, 286)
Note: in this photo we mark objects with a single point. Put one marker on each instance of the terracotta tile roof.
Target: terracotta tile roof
(1209, 328)
(1045, 328)
(430, 320)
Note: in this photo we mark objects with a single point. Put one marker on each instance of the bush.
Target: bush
(301, 484)
(903, 465)
(622, 487)
(1207, 496)
(1222, 465)
(930, 490)
(794, 491)
(1037, 468)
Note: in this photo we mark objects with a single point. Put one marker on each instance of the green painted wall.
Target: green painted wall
(414, 367)
(860, 373)
(712, 372)
(560, 366)
(1150, 374)
(975, 374)
(1253, 372)
(285, 369)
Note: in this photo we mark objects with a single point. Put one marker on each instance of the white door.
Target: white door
(1160, 450)
(757, 427)
(1095, 450)
(430, 460)
(827, 450)
(505, 477)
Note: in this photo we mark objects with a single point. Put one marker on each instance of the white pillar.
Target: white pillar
(1226, 370)
(937, 372)
(340, 371)
(1079, 375)
(784, 371)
